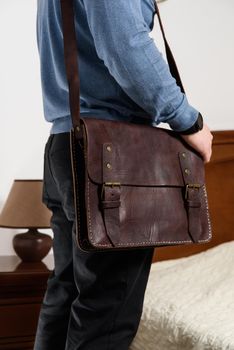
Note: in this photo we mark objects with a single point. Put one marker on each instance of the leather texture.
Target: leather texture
(138, 185)
(150, 203)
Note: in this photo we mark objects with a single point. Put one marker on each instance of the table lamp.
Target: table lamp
(24, 209)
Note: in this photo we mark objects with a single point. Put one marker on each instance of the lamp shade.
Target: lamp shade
(24, 207)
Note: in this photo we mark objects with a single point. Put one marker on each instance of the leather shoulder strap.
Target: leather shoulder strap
(71, 57)
(170, 58)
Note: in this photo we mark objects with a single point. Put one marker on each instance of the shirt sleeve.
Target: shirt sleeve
(122, 41)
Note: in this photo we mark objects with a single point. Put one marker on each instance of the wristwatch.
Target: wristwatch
(198, 125)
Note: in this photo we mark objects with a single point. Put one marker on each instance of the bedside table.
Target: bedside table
(22, 287)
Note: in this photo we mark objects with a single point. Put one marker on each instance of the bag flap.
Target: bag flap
(139, 155)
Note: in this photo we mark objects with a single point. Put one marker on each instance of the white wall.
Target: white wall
(23, 131)
(200, 33)
(201, 36)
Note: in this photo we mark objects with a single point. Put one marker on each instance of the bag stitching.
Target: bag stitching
(137, 243)
(76, 188)
(147, 243)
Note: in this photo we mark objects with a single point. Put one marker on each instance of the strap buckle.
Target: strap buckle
(197, 186)
(112, 184)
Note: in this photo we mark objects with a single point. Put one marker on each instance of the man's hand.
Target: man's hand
(201, 141)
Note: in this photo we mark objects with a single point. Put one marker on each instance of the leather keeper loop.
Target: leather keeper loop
(193, 204)
(110, 204)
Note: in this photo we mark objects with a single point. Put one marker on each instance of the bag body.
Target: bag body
(140, 186)
(136, 185)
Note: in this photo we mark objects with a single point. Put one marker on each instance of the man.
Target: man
(94, 300)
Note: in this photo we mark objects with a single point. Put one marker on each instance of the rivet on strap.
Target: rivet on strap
(110, 194)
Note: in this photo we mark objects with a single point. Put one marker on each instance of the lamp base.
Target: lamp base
(32, 246)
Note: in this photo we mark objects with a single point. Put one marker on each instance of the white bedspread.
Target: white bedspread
(189, 303)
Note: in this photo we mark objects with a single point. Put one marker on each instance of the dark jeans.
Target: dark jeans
(93, 299)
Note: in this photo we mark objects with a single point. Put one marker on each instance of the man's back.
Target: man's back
(122, 74)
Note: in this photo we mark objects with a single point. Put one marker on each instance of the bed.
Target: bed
(189, 299)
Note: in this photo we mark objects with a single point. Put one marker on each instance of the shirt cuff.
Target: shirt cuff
(184, 120)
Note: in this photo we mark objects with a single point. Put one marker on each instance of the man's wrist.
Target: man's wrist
(197, 126)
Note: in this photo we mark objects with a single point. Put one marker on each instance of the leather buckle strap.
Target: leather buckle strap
(188, 186)
(109, 184)
(110, 203)
(110, 194)
(192, 197)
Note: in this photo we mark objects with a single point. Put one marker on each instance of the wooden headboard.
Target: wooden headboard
(220, 191)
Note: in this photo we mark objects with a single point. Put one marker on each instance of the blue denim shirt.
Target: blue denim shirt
(123, 75)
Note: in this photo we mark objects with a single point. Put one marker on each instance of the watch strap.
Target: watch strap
(197, 126)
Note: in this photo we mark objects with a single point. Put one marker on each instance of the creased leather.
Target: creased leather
(149, 207)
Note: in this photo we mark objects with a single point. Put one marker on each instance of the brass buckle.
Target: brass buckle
(112, 184)
(191, 186)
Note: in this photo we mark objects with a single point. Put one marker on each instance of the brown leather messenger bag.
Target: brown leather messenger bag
(135, 185)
